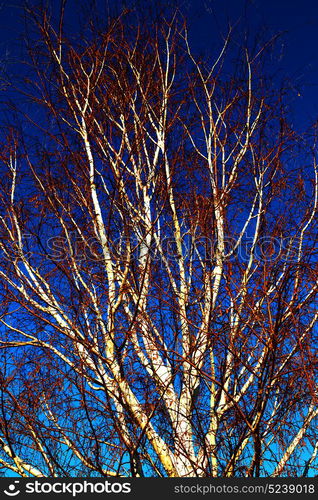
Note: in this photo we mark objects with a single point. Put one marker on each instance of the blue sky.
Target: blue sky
(296, 54)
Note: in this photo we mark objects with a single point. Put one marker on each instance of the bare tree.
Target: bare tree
(158, 270)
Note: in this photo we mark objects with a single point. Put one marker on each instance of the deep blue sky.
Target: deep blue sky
(296, 56)
(296, 51)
